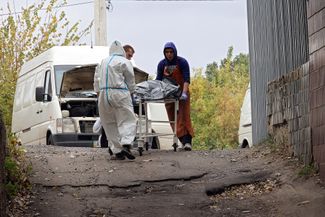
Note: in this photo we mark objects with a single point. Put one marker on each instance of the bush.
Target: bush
(17, 168)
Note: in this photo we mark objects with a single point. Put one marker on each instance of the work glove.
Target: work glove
(183, 97)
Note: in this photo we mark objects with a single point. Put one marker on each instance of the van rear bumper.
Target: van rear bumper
(76, 139)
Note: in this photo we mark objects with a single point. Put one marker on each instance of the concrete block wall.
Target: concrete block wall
(288, 112)
(316, 33)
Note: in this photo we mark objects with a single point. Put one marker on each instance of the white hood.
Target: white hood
(117, 49)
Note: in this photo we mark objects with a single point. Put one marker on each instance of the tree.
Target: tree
(216, 101)
(211, 71)
(24, 36)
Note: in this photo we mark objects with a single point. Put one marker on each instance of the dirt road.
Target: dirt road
(85, 182)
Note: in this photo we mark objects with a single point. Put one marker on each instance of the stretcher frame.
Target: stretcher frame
(143, 135)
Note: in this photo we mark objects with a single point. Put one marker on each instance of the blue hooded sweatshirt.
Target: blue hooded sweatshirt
(180, 61)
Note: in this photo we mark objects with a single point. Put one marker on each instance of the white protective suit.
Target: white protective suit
(114, 80)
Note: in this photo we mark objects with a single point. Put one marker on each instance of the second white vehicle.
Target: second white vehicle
(245, 123)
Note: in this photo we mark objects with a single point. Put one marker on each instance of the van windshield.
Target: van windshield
(59, 71)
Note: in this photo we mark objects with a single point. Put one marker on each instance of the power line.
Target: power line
(109, 6)
(182, 0)
(178, 0)
(62, 6)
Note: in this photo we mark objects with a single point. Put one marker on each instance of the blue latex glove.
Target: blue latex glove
(183, 97)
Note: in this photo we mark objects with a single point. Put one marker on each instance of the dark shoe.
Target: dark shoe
(118, 156)
(188, 147)
(103, 139)
(126, 152)
(128, 147)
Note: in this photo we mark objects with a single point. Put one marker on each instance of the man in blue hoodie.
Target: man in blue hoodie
(177, 68)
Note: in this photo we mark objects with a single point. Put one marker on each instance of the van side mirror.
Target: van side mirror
(41, 96)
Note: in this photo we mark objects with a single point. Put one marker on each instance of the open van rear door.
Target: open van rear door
(78, 82)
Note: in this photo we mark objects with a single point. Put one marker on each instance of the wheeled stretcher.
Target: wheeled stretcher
(143, 134)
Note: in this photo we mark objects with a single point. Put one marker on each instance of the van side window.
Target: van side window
(19, 97)
(47, 86)
(27, 93)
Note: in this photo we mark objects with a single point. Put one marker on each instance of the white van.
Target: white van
(54, 100)
(245, 123)
(55, 103)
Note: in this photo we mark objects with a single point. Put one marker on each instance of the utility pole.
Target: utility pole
(100, 23)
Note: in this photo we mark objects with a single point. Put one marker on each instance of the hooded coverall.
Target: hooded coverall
(114, 80)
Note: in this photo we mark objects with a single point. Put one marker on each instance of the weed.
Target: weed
(271, 143)
(11, 189)
(307, 171)
(17, 168)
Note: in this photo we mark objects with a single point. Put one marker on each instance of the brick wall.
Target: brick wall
(288, 112)
(316, 32)
(2, 172)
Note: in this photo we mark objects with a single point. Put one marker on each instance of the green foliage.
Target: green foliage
(271, 143)
(11, 189)
(307, 171)
(17, 168)
(216, 99)
(24, 36)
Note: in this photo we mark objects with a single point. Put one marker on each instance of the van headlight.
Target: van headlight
(65, 125)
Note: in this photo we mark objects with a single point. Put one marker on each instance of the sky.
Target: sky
(201, 30)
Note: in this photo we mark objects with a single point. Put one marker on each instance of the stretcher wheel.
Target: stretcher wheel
(140, 149)
(175, 146)
(146, 145)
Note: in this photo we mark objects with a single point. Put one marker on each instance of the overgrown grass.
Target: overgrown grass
(307, 171)
(279, 145)
(17, 168)
(271, 143)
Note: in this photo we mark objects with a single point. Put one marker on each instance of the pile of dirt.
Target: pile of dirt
(293, 190)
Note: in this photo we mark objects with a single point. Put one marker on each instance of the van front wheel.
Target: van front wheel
(245, 144)
(49, 140)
